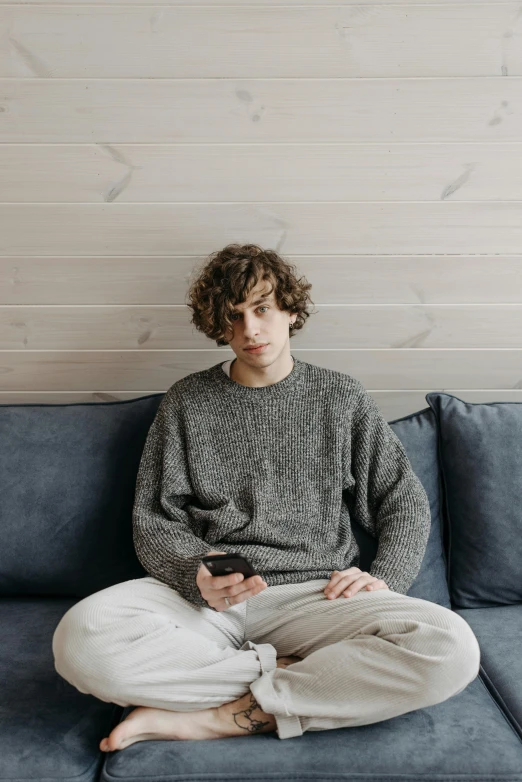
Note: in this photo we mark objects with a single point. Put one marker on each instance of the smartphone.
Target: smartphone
(225, 564)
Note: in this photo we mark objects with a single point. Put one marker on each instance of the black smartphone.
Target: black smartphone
(225, 564)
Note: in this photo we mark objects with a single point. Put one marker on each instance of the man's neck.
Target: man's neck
(233, 376)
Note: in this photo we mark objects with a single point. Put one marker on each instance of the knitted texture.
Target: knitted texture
(274, 473)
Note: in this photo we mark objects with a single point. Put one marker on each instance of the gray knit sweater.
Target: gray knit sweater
(274, 474)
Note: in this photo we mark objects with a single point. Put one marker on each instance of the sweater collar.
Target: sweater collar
(288, 385)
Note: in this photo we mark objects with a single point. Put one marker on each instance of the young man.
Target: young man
(253, 455)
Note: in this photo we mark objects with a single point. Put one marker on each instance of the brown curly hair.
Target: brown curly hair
(228, 276)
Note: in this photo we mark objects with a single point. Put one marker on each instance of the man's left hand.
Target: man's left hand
(348, 582)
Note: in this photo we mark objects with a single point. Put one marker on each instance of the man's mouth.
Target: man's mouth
(257, 348)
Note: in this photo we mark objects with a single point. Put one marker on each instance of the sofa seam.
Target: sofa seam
(95, 403)
(500, 703)
(445, 530)
(359, 777)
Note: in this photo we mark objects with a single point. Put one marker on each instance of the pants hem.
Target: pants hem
(288, 725)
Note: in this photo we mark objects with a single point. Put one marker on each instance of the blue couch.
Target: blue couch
(67, 482)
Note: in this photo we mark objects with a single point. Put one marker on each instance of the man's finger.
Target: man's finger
(349, 584)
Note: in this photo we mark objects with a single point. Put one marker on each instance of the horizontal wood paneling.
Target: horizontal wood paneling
(375, 145)
(397, 379)
(367, 40)
(325, 228)
(106, 111)
(108, 173)
(362, 5)
(359, 279)
(163, 327)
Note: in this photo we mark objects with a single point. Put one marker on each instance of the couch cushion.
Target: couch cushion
(68, 478)
(48, 729)
(463, 738)
(481, 465)
(499, 632)
(418, 434)
(67, 482)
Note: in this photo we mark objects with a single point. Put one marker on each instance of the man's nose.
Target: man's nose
(250, 326)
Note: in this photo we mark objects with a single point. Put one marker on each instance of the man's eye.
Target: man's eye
(233, 316)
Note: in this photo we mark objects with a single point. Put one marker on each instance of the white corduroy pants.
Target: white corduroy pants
(366, 658)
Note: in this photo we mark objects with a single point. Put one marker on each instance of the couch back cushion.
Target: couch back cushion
(481, 465)
(68, 478)
(67, 482)
(418, 434)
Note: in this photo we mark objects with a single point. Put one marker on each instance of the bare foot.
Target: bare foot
(232, 719)
(149, 724)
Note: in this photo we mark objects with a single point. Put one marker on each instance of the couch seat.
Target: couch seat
(48, 729)
(464, 738)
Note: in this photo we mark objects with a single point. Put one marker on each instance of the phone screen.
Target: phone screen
(225, 564)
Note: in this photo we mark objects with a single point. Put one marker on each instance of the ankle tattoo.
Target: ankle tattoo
(253, 725)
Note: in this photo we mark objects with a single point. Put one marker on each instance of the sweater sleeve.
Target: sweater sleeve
(390, 501)
(167, 540)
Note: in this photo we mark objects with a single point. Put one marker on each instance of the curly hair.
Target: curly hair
(228, 276)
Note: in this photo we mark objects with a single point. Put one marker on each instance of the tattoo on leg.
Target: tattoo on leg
(253, 726)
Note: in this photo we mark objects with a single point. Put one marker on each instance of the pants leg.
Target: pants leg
(140, 643)
(367, 658)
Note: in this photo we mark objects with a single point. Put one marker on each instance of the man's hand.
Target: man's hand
(347, 582)
(214, 589)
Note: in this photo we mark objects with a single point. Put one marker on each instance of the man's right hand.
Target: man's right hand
(214, 589)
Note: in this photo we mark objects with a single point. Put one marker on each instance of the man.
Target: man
(253, 456)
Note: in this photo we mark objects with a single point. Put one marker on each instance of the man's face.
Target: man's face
(259, 321)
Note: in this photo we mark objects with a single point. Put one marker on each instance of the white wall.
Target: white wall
(377, 146)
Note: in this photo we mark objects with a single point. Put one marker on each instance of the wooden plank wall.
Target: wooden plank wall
(376, 145)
